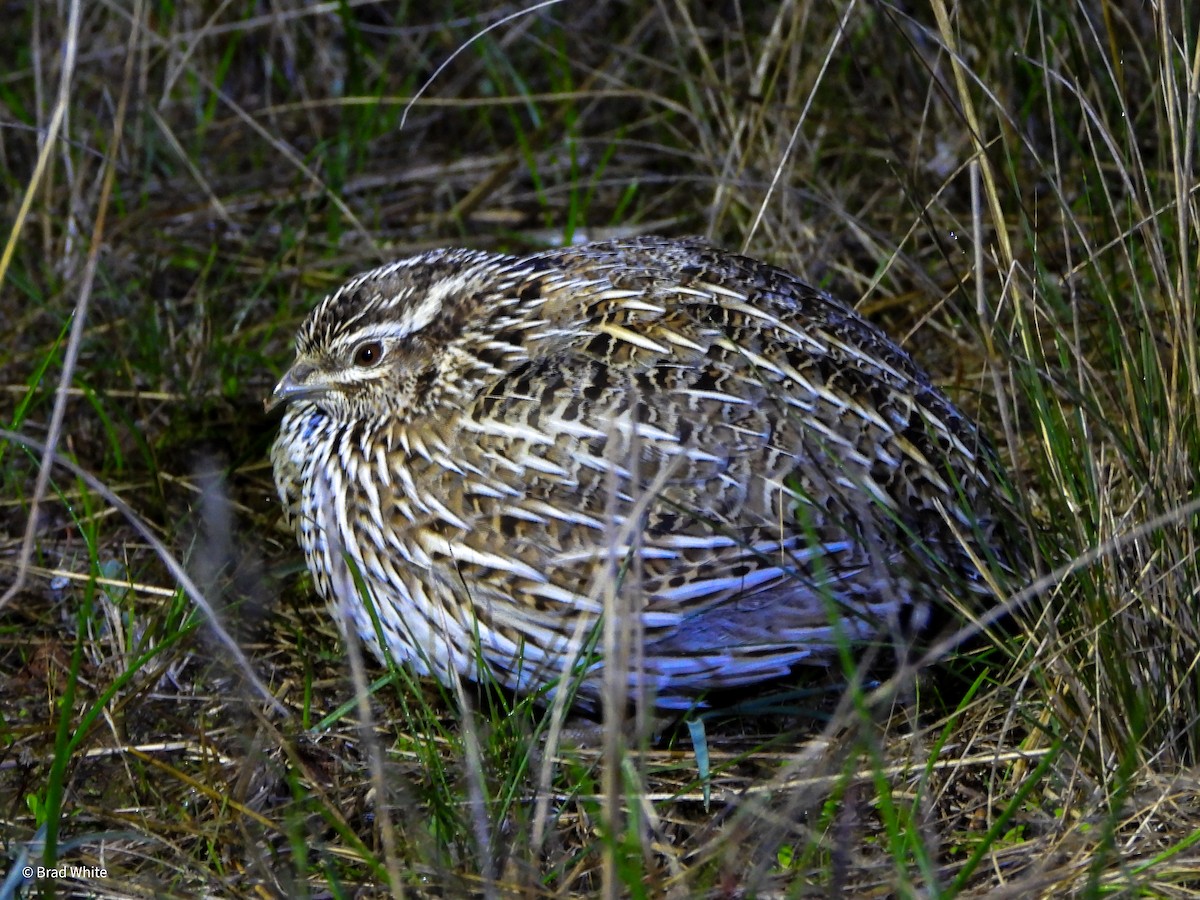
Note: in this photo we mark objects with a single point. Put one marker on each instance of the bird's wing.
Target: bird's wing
(704, 479)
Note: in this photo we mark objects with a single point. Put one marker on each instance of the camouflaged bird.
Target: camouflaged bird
(496, 442)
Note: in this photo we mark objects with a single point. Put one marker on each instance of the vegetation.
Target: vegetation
(1010, 189)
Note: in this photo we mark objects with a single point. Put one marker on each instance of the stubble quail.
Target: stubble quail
(494, 442)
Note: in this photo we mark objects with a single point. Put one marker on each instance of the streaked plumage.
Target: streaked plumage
(489, 438)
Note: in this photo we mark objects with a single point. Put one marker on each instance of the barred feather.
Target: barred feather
(487, 438)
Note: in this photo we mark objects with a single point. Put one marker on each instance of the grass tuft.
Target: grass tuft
(1010, 191)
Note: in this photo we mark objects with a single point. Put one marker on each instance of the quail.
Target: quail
(481, 450)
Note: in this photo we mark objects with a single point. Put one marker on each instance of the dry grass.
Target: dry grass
(1010, 191)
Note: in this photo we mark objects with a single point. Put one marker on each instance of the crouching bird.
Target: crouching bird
(496, 452)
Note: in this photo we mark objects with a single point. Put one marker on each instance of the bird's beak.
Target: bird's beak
(296, 384)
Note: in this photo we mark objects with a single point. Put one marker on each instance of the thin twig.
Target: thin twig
(70, 49)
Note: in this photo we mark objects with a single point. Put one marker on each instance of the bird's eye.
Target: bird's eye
(368, 354)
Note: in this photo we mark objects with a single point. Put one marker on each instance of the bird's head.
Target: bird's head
(402, 339)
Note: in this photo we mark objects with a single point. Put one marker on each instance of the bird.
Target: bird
(486, 458)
